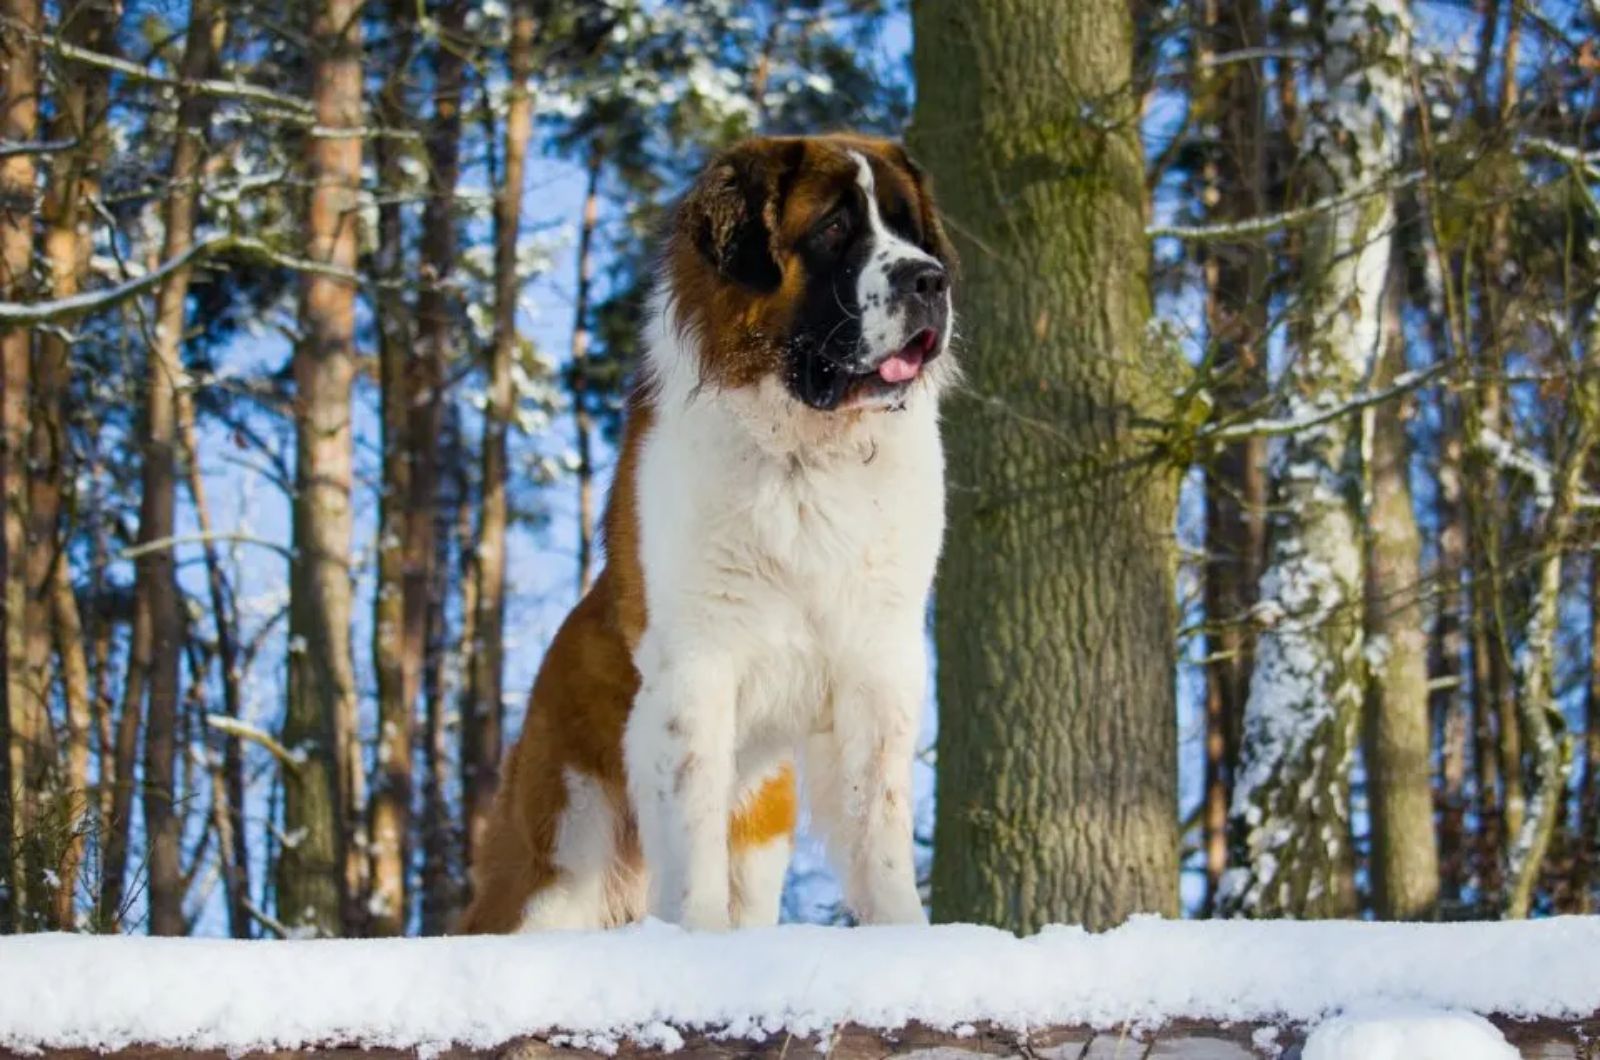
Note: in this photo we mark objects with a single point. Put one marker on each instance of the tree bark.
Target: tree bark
(1404, 854)
(1235, 178)
(582, 422)
(1291, 796)
(1588, 839)
(400, 610)
(156, 588)
(1055, 619)
(52, 607)
(19, 123)
(481, 728)
(319, 721)
(229, 820)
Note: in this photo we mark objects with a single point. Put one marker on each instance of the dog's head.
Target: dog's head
(816, 261)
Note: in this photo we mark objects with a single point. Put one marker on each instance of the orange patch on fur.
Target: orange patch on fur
(767, 815)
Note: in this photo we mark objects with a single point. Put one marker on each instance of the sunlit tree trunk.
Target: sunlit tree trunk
(481, 728)
(19, 714)
(1055, 617)
(319, 721)
(1404, 856)
(1291, 794)
(400, 609)
(54, 633)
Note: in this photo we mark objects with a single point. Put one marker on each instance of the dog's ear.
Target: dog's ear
(732, 212)
(934, 239)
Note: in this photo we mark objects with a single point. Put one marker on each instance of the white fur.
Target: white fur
(787, 555)
(882, 316)
(592, 888)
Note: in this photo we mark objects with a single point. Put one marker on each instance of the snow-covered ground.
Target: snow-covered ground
(1391, 986)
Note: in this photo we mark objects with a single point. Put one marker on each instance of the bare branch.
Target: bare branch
(1233, 432)
(205, 86)
(1259, 226)
(135, 551)
(243, 730)
(23, 313)
(36, 147)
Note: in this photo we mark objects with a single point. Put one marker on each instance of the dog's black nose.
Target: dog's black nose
(918, 279)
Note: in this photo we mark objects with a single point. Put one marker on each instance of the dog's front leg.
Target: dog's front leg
(679, 751)
(866, 803)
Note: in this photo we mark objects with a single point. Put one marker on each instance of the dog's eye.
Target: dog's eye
(832, 233)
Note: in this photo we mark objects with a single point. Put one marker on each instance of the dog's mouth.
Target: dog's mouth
(887, 383)
(829, 385)
(905, 364)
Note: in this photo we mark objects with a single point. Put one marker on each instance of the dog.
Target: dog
(770, 538)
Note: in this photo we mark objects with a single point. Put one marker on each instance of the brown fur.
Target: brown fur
(587, 682)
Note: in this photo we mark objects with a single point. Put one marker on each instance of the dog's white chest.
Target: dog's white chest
(779, 565)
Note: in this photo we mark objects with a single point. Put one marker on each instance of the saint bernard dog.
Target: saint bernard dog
(770, 543)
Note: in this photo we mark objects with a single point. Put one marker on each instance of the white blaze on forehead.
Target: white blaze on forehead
(882, 322)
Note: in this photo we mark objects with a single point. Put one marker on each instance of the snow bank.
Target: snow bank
(1408, 1035)
(75, 991)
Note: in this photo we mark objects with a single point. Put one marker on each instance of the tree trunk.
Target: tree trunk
(480, 729)
(52, 609)
(1055, 619)
(1549, 745)
(319, 720)
(400, 610)
(1404, 852)
(1235, 181)
(19, 123)
(157, 585)
(582, 424)
(1291, 796)
(1588, 839)
(229, 821)
(441, 866)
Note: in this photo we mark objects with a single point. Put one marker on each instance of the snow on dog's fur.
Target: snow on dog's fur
(770, 542)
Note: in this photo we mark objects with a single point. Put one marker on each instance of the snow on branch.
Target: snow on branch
(24, 314)
(1190, 986)
(1259, 226)
(1231, 432)
(28, 314)
(213, 87)
(11, 148)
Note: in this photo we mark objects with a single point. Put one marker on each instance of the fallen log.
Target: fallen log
(1198, 990)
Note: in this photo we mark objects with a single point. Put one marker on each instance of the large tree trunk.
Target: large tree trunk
(319, 721)
(1404, 855)
(1235, 183)
(19, 123)
(53, 624)
(400, 610)
(157, 594)
(481, 728)
(1055, 618)
(1291, 795)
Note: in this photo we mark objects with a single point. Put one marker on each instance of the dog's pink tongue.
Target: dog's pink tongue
(902, 367)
